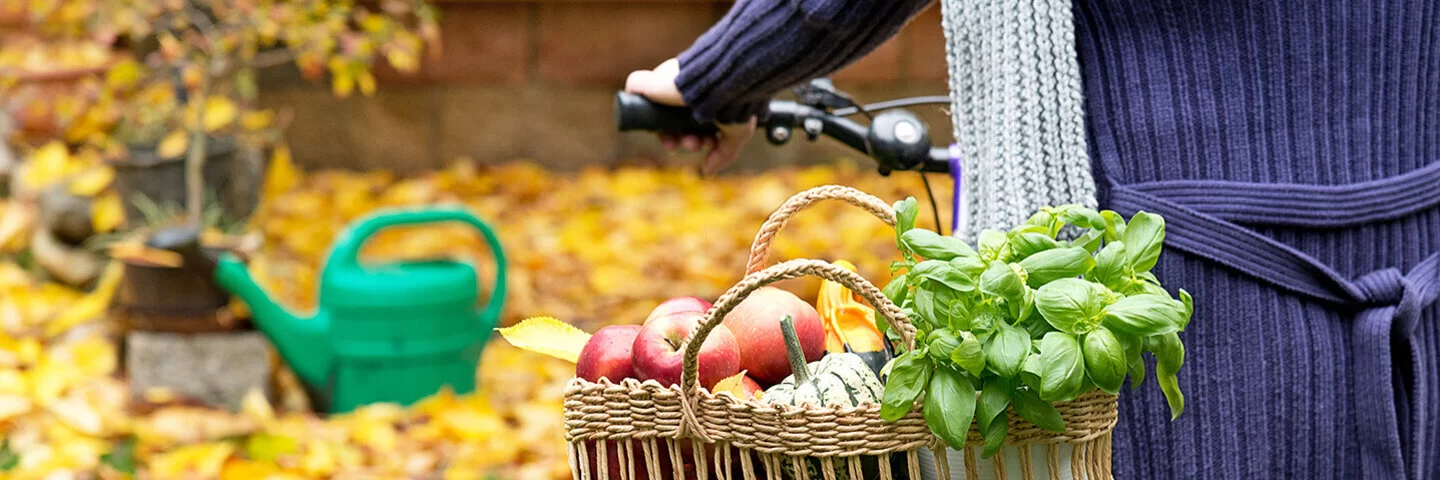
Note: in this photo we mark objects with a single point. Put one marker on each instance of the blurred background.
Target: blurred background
(142, 138)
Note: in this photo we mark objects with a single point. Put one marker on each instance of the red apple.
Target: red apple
(677, 305)
(659, 357)
(756, 324)
(749, 387)
(607, 354)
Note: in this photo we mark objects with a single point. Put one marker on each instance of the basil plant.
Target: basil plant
(1025, 319)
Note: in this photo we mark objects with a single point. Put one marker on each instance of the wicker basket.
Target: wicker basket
(635, 430)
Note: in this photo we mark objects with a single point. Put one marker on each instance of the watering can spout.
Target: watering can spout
(295, 337)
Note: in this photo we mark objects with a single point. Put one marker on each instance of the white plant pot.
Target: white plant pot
(985, 468)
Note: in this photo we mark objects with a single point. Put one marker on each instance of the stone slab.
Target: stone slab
(216, 368)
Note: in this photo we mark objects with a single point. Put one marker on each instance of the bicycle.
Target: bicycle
(896, 138)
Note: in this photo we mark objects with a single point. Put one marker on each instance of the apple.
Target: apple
(756, 324)
(607, 354)
(658, 355)
(749, 387)
(678, 305)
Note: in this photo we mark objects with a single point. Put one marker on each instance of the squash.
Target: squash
(837, 379)
(849, 323)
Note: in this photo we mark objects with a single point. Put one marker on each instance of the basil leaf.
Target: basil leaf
(934, 246)
(1114, 225)
(1090, 241)
(942, 343)
(993, 245)
(1146, 315)
(970, 266)
(985, 319)
(1041, 218)
(950, 406)
(1110, 267)
(1133, 346)
(1070, 305)
(1030, 372)
(1006, 352)
(1062, 368)
(994, 435)
(1051, 265)
(1083, 217)
(994, 397)
(925, 304)
(1104, 360)
(897, 291)
(969, 355)
(1037, 411)
(1169, 356)
(945, 273)
(1002, 280)
(1030, 243)
(909, 375)
(1189, 308)
(905, 212)
(1143, 238)
(1022, 307)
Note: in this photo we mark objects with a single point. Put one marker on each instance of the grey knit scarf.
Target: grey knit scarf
(1016, 104)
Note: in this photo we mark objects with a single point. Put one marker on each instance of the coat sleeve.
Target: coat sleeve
(763, 46)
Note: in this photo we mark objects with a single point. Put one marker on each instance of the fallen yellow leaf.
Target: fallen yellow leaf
(201, 460)
(107, 213)
(733, 384)
(135, 251)
(219, 113)
(548, 336)
(256, 120)
(173, 145)
(92, 181)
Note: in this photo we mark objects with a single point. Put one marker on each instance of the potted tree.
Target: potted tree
(180, 124)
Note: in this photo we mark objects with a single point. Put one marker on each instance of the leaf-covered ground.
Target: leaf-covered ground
(591, 248)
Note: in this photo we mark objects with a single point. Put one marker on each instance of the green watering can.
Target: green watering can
(387, 332)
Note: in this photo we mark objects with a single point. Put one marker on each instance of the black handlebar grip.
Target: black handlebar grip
(635, 112)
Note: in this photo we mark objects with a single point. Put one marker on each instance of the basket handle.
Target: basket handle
(785, 271)
(760, 248)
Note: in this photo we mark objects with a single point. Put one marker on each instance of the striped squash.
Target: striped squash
(837, 379)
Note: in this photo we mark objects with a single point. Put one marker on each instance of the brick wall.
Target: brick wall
(535, 80)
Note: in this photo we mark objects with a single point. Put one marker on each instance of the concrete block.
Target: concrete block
(217, 368)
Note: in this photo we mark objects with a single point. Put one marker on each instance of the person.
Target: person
(1293, 147)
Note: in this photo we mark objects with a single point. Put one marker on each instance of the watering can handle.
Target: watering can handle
(347, 247)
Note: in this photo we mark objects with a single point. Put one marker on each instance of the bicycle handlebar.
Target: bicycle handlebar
(897, 139)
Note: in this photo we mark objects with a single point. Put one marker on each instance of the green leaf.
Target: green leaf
(942, 342)
(1143, 238)
(1090, 241)
(1051, 265)
(896, 291)
(945, 273)
(121, 457)
(1022, 307)
(905, 212)
(1070, 305)
(1114, 225)
(1041, 218)
(994, 246)
(1083, 217)
(1062, 368)
(1133, 346)
(1104, 360)
(1169, 356)
(950, 406)
(934, 246)
(969, 355)
(1002, 280)
(994, 435)
(1030, 371)
(1006, 352)
(909, 376)
(994, 397)
(1029, 243)
(970, 266)
(925, 304)
(1111, 266)
(1189, 308)
(1037, 411)
(1146, 315)
(9, 458)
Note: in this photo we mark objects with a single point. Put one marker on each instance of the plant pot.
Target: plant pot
(182, 299)
(162, 181)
